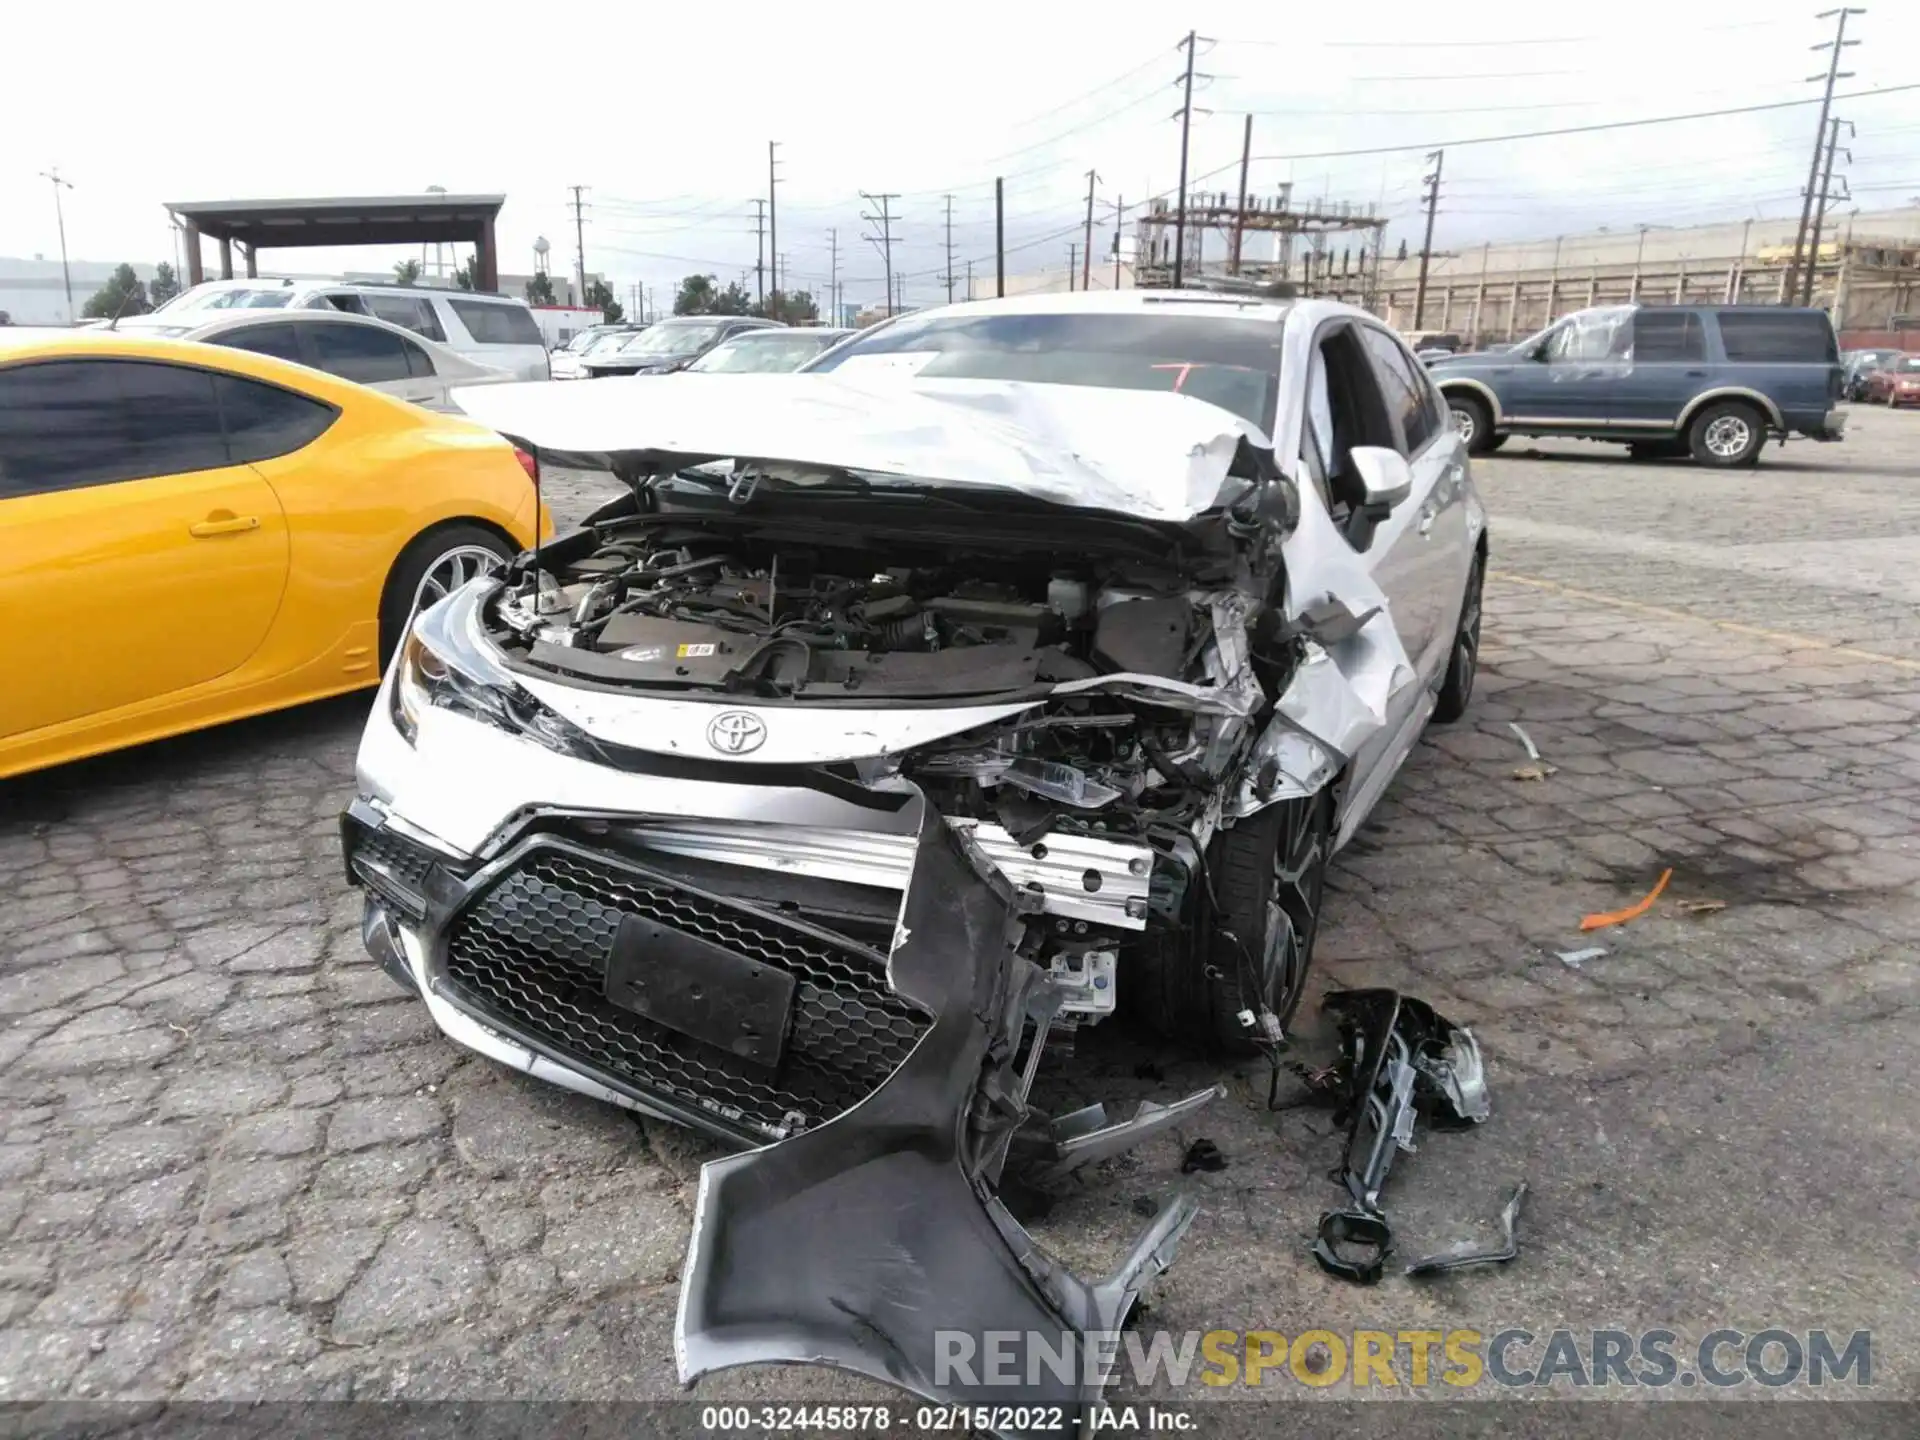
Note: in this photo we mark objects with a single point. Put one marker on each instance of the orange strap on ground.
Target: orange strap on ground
(1632, 912)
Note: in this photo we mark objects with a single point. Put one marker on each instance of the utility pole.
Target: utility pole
(999, 237)
(1432, 198)
(883, 242)
(1240, 214)
(949, 274)
(833, 273)
(969, 280)
(580, 242)
(60, 219)
(1833, 75)
(1185, 113)
(1086, 254)
(773, 223)
(759, 253)
(1073, 258)
(1820, 211)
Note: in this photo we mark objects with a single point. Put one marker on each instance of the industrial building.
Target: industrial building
(1866, 275)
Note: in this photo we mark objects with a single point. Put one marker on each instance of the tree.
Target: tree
(600, 297)
(467, 276)
(406, 272)
(696, 296)
(792, 307)
(164, 285)
(540, 289)
(734, 300)
(123, 294)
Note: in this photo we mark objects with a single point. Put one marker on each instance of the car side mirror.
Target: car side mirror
(1385, 480)
(1384, 475)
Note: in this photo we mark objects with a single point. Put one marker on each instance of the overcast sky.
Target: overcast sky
(665, 113)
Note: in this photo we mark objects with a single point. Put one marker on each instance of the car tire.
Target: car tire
(1473, 422)
(1727, 434)
(1263, 886)
(1463, 663)
(445, 557)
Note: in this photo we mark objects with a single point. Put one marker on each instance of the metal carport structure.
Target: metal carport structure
(256, 225)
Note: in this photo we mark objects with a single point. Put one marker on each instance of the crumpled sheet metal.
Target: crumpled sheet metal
(1154, 455)
(1349, 678)
(860, 1243)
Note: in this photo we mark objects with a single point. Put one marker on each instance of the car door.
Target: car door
(365, 354)
(1437, 507)
(1567, 381)
(1666, 366)
(142, 558)
(1348, 408)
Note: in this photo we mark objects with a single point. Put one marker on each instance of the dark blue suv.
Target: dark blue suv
(1713, 381)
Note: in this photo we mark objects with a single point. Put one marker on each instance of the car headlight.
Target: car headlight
(443, 662)
(438, 666)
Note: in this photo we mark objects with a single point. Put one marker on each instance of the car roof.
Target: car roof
(786, 332)
(246, 319)
(1112, 302)
(17, 343)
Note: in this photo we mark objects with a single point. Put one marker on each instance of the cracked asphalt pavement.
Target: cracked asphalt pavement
(235, 1162)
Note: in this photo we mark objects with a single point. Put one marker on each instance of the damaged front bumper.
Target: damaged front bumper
(869, 1235)
(875, 1243)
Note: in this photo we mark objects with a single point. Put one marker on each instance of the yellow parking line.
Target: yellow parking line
(1784, 637)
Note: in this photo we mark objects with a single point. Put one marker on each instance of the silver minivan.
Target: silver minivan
(494, 330)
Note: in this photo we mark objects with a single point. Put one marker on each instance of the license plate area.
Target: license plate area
(691, 985)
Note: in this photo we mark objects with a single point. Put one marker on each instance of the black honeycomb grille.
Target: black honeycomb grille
(405, 861)
(532, 951)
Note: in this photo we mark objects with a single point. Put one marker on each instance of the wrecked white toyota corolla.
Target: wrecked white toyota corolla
(883, 727)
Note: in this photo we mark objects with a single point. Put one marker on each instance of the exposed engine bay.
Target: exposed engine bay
(1142, 678)
(679, 608)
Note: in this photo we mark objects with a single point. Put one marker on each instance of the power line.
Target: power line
(1118, 80)
(1574, 129)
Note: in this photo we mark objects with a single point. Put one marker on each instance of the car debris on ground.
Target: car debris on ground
(1509, 1248)
(1604, 918)
(1401, 1062)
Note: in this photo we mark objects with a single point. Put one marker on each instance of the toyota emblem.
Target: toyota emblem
(736, 732)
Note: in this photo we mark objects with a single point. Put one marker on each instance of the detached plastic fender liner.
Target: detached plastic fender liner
(873, 1243)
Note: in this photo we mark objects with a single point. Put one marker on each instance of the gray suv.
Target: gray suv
(1713, 381)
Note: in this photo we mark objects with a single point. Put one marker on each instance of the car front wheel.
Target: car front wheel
(1727, 435)
(1473, 423)
(1259, 913)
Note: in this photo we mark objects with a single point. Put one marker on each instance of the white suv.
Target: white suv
(495, 330)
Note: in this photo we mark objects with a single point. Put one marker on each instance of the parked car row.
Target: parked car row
(494, 330)
(1883, 377)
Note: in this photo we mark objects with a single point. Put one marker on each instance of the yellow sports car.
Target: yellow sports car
(190, 534)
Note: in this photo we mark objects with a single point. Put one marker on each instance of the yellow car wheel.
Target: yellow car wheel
(433, 567)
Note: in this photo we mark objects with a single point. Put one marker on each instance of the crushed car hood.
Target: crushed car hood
(1145, 454)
